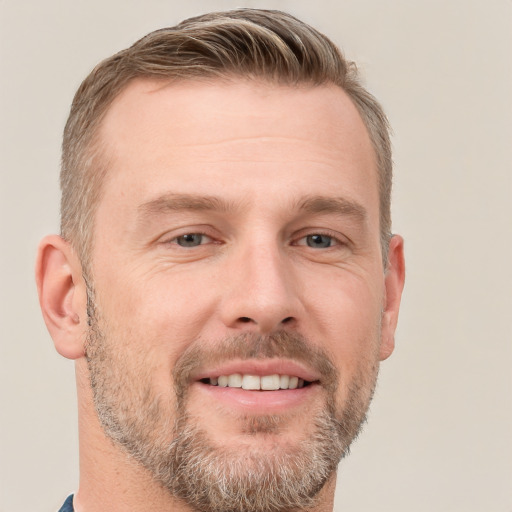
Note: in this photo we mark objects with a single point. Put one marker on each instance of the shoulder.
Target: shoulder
(68, 505)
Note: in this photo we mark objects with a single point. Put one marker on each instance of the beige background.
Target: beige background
(440, 431)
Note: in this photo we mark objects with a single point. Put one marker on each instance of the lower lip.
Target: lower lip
(259, 402)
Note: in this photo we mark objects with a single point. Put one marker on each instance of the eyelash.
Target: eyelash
(194, 233)
(333, 240)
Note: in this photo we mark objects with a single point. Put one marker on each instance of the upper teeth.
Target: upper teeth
(255, 382)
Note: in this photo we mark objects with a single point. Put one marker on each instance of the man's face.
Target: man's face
(236, 243)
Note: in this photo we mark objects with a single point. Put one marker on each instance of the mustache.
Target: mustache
(246, 346)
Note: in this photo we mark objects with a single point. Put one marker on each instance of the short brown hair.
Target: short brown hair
(250, 43)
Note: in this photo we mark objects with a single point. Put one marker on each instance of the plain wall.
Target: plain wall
(439, 436)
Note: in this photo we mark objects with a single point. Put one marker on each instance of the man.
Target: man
(225, 279)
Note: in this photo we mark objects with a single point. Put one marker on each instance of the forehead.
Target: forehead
(195, 135)
(238, 107)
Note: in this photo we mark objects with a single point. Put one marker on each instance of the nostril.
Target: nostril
(249, 320)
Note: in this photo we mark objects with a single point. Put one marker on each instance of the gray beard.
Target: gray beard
(210, 478)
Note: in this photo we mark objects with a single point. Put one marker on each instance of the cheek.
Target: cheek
(154, 318)
(347, 299)
(157, 299)
(345, 317)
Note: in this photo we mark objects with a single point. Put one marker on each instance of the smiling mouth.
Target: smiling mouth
(257, 383)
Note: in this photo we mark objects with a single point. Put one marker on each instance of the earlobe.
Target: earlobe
(62, 295)
(394, 284)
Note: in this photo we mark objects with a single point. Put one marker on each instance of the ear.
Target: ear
(62, 295)
(394, 284)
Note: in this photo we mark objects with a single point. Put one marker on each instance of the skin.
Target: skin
(266, 154)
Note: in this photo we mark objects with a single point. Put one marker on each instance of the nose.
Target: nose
(261, 292)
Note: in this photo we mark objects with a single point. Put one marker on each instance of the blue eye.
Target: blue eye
(319, 241)
(190, 239)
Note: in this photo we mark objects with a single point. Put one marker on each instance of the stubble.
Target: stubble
(168, 442)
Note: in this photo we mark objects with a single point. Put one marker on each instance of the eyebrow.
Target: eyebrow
(337, 205)
(317, 204)
(177, 202)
